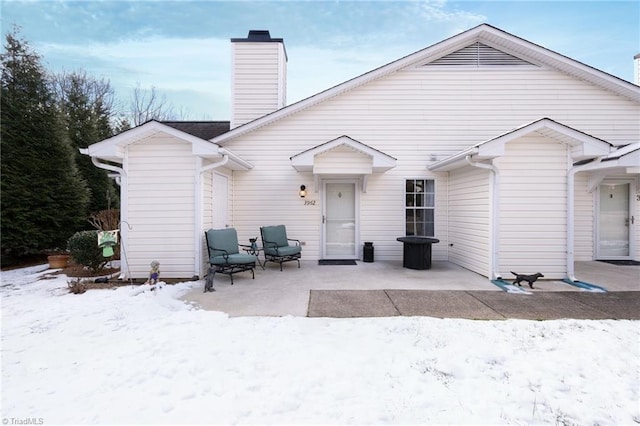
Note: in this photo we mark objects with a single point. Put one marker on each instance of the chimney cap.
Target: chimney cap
(257, 36)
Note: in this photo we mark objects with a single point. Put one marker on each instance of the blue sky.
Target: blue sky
(182, 48)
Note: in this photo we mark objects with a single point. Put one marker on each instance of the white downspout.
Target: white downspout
(104, 166)
(495, 216)
(121, 180)
(199, 203)
(571, 213)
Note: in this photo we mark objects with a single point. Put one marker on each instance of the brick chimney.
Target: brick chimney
(258, 76)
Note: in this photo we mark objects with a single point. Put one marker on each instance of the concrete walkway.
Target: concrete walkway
(481, 305)
(388, 289)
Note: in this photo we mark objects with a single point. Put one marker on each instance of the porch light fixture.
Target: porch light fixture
(303, 191)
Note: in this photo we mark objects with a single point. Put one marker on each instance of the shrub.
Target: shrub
(107, 220)
(83, 247)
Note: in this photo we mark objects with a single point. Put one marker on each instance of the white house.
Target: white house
(515, 157)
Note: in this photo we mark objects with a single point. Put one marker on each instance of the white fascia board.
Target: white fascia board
(631, 160)
(625, 150)
(453, 162)
(113, 153)
(235, 161)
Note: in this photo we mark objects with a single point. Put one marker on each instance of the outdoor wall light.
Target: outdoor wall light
(303, 191)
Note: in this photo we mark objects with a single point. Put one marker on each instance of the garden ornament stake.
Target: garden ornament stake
(154, 273)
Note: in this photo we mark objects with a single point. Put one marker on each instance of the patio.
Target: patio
(275, 293)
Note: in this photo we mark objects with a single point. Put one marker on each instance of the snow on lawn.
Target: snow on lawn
(134, 356)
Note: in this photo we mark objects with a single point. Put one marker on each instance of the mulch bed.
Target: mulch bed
(88, 277)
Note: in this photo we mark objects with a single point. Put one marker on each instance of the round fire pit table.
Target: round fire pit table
(417, 252)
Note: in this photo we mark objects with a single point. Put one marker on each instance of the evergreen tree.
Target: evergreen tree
(87, 105)
(43, 197)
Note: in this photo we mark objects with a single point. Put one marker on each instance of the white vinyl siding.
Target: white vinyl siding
(411, 115)
(259, 79)
(160, 177)
(636, 225)
(207, 200)
(470, 219)
(209, 197)
(533, 207)
(207, 217)
(584, 219)
(342, 160)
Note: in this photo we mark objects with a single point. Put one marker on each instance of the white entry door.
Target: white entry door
(220, 201)
(340, 220)
(614, 220)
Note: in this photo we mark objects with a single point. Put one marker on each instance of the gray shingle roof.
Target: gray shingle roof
(200, 129)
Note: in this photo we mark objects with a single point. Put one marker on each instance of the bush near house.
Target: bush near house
(83, 247)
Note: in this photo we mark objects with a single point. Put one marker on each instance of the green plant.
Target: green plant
(83, 247)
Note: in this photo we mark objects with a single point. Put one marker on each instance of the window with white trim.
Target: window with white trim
(420, 197)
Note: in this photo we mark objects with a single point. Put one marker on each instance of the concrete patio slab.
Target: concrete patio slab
(280, 293)
(539, 306)
(441, 304)
(618, 305)
(350, 304)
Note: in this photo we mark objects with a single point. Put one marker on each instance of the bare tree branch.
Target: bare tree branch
(149, 105)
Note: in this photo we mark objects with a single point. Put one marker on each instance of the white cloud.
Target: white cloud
(174, 66)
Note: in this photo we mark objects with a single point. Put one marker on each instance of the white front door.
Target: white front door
(340, 219)
(615, 220)
(220, 201)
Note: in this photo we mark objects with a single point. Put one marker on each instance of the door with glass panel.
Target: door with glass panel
(615, 220)
(339, 220)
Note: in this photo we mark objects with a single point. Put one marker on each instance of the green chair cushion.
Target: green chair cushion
(275, 234)
(234, 259)
(222, 239)
(283, 251)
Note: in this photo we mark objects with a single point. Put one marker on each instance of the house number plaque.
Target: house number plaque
(309, 202)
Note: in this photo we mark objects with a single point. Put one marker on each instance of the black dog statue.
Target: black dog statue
(528, 278)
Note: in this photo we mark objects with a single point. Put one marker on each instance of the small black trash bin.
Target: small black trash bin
(367, 252)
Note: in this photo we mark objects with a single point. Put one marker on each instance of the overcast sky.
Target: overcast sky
(182, 47)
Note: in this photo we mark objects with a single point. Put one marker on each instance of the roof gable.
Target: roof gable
(477, 55)
(379, 161)
(583, 146)
(113, 149)
(487, 35)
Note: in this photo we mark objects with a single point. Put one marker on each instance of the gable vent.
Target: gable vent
(478, 55)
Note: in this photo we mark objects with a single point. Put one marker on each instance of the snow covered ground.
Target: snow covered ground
(139, 357)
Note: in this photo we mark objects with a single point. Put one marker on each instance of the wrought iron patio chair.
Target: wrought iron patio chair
(276, 245)
(225, 256)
